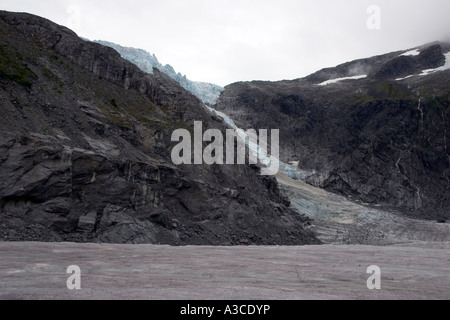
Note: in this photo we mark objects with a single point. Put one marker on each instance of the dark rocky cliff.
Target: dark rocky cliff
(85, 153)
(381, 139)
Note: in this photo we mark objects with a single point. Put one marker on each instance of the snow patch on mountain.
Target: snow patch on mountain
(207, 92)
(331, 81)
(446, 66)
(426, 72)
(414, 52)
(407, 77)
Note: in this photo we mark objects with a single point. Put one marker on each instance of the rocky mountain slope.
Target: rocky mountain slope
(85, 143)
(207, 92)
(374, 130)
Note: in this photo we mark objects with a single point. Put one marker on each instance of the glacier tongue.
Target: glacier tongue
(287, 169)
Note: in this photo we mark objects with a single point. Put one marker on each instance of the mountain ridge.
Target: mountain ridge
(207, 92)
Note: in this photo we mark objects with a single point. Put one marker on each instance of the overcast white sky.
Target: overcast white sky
(224, 41)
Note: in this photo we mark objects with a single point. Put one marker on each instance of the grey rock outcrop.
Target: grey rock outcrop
(85, 144)
(431, 57)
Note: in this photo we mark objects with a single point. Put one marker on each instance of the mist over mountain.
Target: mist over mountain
(207, 92)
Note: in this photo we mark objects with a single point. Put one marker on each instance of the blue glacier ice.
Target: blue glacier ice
(207, 92)
(287, 169)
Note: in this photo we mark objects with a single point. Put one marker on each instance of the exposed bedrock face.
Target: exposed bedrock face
(380, 140)
(85, 145)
